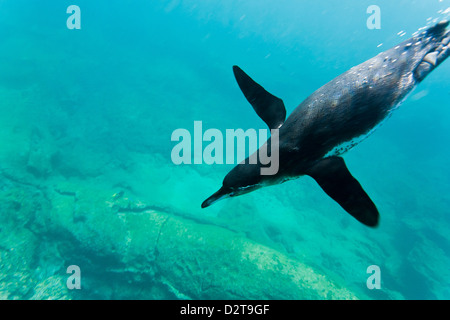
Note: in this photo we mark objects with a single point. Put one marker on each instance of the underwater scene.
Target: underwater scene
(114, 141)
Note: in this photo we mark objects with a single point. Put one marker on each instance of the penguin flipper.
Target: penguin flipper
(268, 107)
(334, 178)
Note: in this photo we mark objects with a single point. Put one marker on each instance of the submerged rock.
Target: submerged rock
(128, 249)
(209, 262)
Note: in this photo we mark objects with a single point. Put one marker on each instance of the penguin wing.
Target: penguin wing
(334, 178)
(268, 107)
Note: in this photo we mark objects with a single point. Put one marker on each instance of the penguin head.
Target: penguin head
(244, 178)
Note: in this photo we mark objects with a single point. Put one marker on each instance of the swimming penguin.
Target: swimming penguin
(334, 119)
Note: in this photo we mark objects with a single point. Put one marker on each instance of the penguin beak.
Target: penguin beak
(219, 195)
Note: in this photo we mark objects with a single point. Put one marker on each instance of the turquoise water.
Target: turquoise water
(88, 114)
